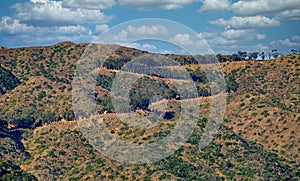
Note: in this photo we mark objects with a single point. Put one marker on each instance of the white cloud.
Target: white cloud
(155, 4)
(101, 28)
(88, 4)
(293, 42)
(217, 41)
(260, 36)
(284, 46)
(149, 48)
(271, 7)
(289, 15)
(148, 30)
(247, 22)
(231, 41)
(207, 35)
(16, 33)
(191, 44)
(261, 48)
(49, 13)
(182, 39)
(146, 46)
(281, 9)
(240, 33)
(39, 1)
(230, 49)
(13, 26)
(214, 5)
(132, 33)
(243, 35)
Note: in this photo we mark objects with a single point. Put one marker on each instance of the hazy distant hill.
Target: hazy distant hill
(258, 140)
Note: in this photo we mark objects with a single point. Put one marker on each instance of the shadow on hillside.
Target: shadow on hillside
(15, 135)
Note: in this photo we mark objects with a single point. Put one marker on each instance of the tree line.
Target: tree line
(243, 55)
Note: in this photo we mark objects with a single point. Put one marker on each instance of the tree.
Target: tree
(242, 55)
(235, 57)
(294, 51)
(275, 53)
(262, 55)
(219, 57)
(253, 56)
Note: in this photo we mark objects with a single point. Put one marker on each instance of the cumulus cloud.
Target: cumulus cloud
(51, 13)
(293, 42)
(9, 27)
(16, 33)
(284, 46)
(232, 40)
(227, 46)
(234, 48)
(207, 35)
(182, 39)
(243, 35)
(219, 41)
(240, 33)
(88, 4)
(214, 5)
(271, 7)
(155, 4)
(289, 15)
(131, 33)
(146, 46)
(101, 28)
(247, 22)
(148, 30)
(191, 44)
(281, 9)
(12, 26)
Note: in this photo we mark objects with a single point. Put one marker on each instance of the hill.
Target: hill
(258, 140)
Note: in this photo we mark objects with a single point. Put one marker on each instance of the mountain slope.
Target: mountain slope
(258, 140)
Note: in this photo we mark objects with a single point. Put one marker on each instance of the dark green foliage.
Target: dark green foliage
(231, 83)
(183, 60)
(203, 92)
(198, 76)
(142, 93)
(47, 117)
(41, 95)
(10, 171)
(7, 80)
(235, 158)
(105, 103)
(104, 81)
(115, 64)
(23, 121)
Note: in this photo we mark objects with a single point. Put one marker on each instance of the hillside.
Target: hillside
(40, 139)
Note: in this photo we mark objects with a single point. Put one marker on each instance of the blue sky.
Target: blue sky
(227, 26)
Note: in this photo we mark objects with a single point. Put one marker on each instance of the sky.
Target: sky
(227, 26)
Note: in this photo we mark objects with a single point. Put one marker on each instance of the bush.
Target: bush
(41, 95)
